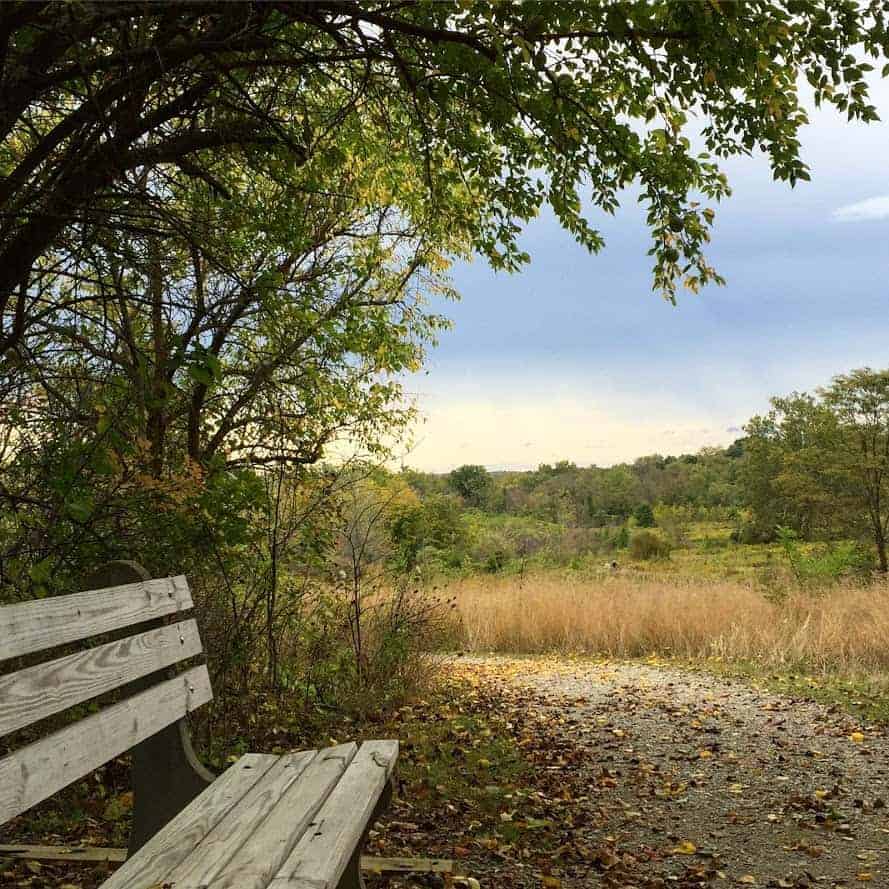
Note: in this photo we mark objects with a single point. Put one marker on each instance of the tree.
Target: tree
(509, 106)
(860, 401)
(791, 476)
(159, 370)
(820, 464)
(435, 522)
(472, 483)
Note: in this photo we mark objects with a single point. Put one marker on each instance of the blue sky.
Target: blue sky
(576, 358)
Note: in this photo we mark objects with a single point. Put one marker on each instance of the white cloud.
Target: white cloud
(864, 211)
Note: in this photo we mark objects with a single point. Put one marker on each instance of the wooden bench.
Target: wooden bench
(296, 821)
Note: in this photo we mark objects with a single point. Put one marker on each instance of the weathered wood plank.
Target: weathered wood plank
(325, 849)
(39, 770)
(179, 837)
(44, 623)
(246, 849)
(369, 864)
(373, 865)
(63, 853)
(40, 691)
(227, 837)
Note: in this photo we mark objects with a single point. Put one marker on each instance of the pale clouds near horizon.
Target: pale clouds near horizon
(534, 431)
(575, 358)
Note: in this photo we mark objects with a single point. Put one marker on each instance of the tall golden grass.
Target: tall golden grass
(845, 628)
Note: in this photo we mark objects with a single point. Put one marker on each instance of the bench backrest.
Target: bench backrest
(34, 772)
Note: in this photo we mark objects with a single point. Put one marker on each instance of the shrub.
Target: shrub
(644, 516)
(646, 546)
(753, 532)
(673, 522)
(824, 565)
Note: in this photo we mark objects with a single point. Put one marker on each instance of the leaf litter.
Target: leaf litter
(641, 775)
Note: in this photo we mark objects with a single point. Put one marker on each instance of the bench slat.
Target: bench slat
(246, 849)
(173, 842)
(41, 769)
(32, 626)
(40, 691)
(327, 846)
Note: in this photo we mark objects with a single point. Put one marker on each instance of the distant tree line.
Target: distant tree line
(596, 496)
(816, 465)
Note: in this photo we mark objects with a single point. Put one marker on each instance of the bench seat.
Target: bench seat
(271, 822)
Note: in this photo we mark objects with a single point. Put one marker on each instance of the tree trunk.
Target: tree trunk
(157, 412)
(881, 550)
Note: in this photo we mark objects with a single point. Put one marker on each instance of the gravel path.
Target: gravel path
(749, 788)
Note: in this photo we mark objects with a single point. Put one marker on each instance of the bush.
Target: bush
(825, 565)
(646, 546)
(496, 561)
(644, 516)
(673, 522)
(751, 532)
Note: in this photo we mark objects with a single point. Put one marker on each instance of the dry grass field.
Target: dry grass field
(842, 629)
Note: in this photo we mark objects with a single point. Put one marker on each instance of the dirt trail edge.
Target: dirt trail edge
(714, 778)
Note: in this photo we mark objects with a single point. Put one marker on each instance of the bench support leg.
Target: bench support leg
(351, 878)
(167, 774)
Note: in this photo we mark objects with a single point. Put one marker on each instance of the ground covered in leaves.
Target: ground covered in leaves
(644, 775)
(555, 773)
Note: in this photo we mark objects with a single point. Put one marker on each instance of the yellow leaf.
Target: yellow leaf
(856, 737)
(686, 847)
(552, 882)
(705, 754)
(864, 876)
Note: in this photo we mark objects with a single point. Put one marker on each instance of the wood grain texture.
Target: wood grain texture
(331, 840)
(374, 865)
(369, 864)
(45, 623)
(264, 846)
(40, 691)
(63, 853)
(179, 837)
(41, 769)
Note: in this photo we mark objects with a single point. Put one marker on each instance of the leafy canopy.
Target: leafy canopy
(510, 106)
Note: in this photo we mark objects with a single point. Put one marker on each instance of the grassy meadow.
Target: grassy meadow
(730, 608)
(690, 618)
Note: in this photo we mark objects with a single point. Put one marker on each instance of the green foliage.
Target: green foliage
(750, 532)
(646, 546)
(534, 104)
(824, 565)
(430, 531)
(472, 483)
(644, 516)
(622, 540)
(819, 465)
(674, 522)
